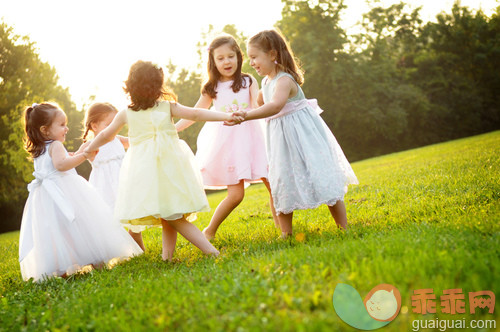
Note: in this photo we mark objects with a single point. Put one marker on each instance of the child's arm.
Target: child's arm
(204, 102)
(108, 133)
(199, 114)
(124, 141)
(284, 89)
(254, 93)
(260, 99)
(63, 162)
(83, 147)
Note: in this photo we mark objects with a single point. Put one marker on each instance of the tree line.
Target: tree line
(398, 83)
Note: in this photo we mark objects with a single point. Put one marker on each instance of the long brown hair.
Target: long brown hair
(273, 40)
(214, 75)
(146, 87)
(96, 112)
(35, 117)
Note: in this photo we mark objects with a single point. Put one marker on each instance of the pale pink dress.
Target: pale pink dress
(229, 154)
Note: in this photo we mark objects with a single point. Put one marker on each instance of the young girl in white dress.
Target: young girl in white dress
(307, 167)
(107, 163)
(229, 156)
(65, 224)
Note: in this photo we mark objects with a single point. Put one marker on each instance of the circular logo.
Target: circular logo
(383, 302)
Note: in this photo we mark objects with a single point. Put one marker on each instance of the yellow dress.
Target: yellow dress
(159, 177)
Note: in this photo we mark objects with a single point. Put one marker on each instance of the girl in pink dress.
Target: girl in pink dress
(229, 156)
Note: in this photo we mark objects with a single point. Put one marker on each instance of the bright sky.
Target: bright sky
(92, 43)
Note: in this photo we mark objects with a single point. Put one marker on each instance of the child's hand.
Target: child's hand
(90, 155)
(236, 118)
(83, 146)
(240, 116)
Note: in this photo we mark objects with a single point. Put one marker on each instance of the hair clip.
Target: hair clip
(275, 62)
(34, 105)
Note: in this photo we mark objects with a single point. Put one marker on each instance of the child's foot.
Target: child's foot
(207, 235)
(285, 236)
(216, 253)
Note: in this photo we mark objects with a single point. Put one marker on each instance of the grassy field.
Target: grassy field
(425, 218)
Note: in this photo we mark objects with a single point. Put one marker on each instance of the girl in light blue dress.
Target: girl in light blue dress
(307, 167)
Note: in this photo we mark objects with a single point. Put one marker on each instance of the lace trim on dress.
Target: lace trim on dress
(330, 202)
(102, 162)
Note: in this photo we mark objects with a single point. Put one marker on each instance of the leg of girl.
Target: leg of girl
(169, 239)
(271, 203)
(235, 194)
(339, 214)
(193, 235)
(286, 224)
(138, 239)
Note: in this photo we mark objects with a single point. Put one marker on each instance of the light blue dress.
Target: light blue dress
(307, 167)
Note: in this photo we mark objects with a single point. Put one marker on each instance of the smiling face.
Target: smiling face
(57, 130)
(382, 305)
(226, 61)
(262, 62)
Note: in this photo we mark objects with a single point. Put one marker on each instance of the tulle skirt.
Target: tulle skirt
(53, 244)
(159, 179)
(307, 167)
(229, 154)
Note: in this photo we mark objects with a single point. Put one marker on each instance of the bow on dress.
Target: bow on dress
(45, 180)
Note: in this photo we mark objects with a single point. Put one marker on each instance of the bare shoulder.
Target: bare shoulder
(285, 79)
(288, 83)
(56, 146)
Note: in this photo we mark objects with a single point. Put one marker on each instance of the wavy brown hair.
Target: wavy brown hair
(214, 75)
(35, 117)
(96, 112)
(146, 87)
(273, 40)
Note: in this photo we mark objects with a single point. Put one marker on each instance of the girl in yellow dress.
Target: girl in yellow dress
(160, 183)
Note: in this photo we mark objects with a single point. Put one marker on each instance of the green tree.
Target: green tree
(24, 79)
(313, 31)
(457, 65)
(365, 98)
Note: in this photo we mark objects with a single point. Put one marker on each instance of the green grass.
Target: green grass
(425, 218)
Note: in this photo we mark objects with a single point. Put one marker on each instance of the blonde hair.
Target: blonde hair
(96, 112)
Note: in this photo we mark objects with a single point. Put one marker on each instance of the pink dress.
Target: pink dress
(229, 154)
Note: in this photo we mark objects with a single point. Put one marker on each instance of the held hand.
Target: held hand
(90, 154)
(82, 146)
(240, 115)
(236, 118)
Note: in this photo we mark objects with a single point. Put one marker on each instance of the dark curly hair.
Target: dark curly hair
(146, 87)
(35, 117)
(214, 75)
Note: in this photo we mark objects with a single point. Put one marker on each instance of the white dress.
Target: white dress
(307, 167)
(106, 170)
(66, 225)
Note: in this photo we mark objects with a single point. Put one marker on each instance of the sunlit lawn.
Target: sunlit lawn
(425, 218)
